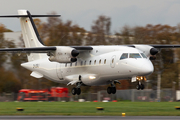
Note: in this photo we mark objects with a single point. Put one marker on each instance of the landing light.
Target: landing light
(141, 78)
(92, 77)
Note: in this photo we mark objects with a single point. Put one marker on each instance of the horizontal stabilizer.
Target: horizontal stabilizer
(31, 16)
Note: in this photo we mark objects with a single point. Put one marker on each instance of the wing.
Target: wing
(41, 49)
(165, 46)
(29, 50)
(82, 47)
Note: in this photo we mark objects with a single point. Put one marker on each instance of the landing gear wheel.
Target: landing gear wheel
(74, 91)
(78, 91)
(142, 86)
(138, 87)
(113, 90)
(109, 90)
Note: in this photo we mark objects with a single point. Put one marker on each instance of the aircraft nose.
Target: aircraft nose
(146, 69)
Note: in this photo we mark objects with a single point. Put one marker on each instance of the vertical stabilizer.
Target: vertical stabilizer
(30, 35)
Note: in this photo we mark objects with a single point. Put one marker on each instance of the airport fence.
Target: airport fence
(147, 95)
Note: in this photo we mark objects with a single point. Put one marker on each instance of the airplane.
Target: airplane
(84, 65)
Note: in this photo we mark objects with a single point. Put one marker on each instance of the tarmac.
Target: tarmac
(89, 118)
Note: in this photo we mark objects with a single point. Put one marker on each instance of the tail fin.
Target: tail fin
(30, 35)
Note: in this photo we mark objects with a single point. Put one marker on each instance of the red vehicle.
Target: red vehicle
(42, 95)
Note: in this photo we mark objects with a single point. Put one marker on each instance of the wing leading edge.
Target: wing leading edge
(41, 49)
(165, 46)
(158, 45)
(29, 50)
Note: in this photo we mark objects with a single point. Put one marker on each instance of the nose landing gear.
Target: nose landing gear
(140, 86)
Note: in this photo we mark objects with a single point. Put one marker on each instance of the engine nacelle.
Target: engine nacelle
(147, 50)
(64, 55)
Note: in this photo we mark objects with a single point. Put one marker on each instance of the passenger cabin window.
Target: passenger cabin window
(90, 62)
(134, 55)
(71, 64)
(76, 64)
(99, 61)
(85, 63)
(143, 55)
(105, 61)
(94, 62)
(113, 60)
(81, 63)
(124, 56)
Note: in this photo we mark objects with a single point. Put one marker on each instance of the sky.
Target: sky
(84, 12)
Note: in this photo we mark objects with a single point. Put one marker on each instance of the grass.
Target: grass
(89, 108)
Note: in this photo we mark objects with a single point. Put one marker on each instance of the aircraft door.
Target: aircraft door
(59, 71)
(112, 62)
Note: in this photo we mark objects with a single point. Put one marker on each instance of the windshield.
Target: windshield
(134, 55)
(143, 55)
(124, 56)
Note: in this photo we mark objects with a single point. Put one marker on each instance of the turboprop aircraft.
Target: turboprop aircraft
(83, 65)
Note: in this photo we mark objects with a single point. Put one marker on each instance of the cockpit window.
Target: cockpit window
(124, 56)
(143, 55)
(134, 55)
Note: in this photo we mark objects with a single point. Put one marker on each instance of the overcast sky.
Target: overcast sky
(84, 12)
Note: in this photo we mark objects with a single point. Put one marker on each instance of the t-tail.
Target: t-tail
(30, 34)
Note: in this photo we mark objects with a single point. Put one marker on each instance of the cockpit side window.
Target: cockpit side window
(124, 56)
(134, 55)
(143, 55)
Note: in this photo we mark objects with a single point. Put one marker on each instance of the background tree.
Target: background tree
(100, 31)
(56, 32)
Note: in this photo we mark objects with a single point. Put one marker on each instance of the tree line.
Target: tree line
(56, 32)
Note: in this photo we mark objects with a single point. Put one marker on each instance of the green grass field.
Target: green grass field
(89, 108)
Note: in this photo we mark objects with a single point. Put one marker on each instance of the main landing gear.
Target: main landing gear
(77, 89)
(140, 86)
(112, 89)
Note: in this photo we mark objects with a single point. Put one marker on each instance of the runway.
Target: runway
(89, 118)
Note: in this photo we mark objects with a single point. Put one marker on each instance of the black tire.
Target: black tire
(109, 90)
(113, 90)
(78, 91)
(74, 91)
(138, 87)
(142, 86)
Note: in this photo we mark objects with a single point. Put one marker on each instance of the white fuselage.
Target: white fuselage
(99, 66)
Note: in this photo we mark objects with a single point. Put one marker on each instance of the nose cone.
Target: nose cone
(147, 68)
